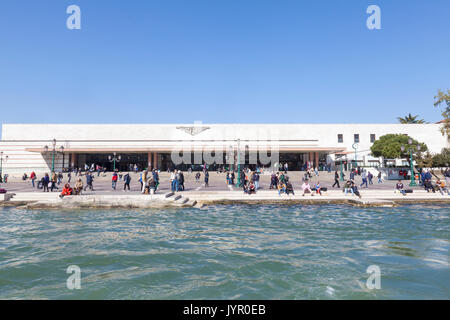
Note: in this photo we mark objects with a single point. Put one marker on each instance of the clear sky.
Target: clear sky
(222, 61)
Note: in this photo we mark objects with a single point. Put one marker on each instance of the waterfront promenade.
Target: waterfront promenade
(217, 182)
(196, 194)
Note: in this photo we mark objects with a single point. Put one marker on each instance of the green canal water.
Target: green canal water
(227, 252)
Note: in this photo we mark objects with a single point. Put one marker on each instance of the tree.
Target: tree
(390, 146)
(410, 119)
(441, 98)
(442, 159)
(425, 161)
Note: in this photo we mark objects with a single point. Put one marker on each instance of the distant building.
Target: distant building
(30, 146)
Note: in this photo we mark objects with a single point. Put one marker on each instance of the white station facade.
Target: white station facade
(41, 147)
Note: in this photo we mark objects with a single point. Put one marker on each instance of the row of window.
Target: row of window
(356, 138)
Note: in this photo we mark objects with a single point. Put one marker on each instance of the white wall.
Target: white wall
(17, 137)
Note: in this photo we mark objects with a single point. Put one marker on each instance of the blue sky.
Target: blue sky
(234, 61)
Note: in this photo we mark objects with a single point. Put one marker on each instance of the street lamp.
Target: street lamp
(115, 158)
(410, 150)
(231, 167)
(62, 152)
(239, 163)
(355, 146)
(342, 169)
(53, 154)
(1, 165)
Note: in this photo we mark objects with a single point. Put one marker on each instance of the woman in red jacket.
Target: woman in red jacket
(67, 191)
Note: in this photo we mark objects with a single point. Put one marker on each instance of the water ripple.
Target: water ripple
(226, 252)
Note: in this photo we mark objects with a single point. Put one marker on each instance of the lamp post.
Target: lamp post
(53, 154)
(62, 152)
(115, 158)
(355, 146)
(410, 150)
(239, 163)
(1, 165)
(231, 167)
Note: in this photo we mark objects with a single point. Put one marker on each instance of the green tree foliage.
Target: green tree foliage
(440, 99)
(425, 160)
(410, 119)
(389, 146)
(442, 159)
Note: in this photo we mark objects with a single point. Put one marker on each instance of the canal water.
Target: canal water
(227, 252)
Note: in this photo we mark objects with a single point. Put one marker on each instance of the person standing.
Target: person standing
(177, 180)
(273, 181)
(54, 181)
(379, 177)
(60, 177)
(114, 180)
(33, 178)
(181, 180)
(336, 180)
(69, 176)
(256, 180)
(89, 181)
(45, 182)
(352, 175)
(155, 178)
(172, 181)
(143, 180)
(206, 178)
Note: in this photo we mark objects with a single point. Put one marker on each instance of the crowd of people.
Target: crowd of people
(249, 181)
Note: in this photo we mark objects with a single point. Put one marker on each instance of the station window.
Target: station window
(340, 138)
(356, 138)
(372, 138)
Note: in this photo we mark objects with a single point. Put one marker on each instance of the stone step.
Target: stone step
(182, 200)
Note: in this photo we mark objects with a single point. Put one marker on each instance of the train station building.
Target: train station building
(42, 147)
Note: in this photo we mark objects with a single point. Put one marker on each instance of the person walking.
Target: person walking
(370, 177)
(336, 180)
(364, 179)
(126, 182)
(379, 177)
(69, 176)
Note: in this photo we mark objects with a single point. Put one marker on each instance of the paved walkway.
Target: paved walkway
(217, 182)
